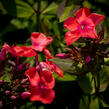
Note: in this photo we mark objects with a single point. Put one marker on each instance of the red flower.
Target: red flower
(33, 76)
(41, 86)
(83, 25)
(40, 41)
(24, 51)
(46, 75)
(10, 49)
(55, 68)
(51, 65)
(19, 51)
(42, 94)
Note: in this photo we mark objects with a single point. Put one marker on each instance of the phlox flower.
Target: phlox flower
(41, 84)
(19, 51)
(40, 41)
(83, 25)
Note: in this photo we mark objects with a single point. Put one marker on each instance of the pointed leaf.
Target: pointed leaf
(66, 65)
(18, 8)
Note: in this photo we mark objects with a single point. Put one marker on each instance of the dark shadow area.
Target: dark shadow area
(18, 36)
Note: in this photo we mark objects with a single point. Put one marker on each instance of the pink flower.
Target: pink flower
(83, 25)
(40, 41)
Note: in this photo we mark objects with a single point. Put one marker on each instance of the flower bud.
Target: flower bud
(88, 59)
(62, 55)
(25, 95)
(13, 97)
(1, 82)
(19, 67)
(7, 92)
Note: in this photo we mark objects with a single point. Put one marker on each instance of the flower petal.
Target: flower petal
(9, 49)
(46, 76)
(96, 18)
(71, 24)
(33, 76)
(40, 41)
(56, 69)
(89, 33)
(82, 14)
(35, 93)
(71, 37)
(47, 95)
(48, 54)
(24, 51)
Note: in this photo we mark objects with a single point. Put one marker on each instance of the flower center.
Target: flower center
(82, 26)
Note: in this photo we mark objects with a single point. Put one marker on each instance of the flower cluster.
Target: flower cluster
(39, 79)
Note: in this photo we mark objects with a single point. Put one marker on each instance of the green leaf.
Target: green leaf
(56, 29)
(84, 101)
(51, 8)
(28, 105)
(95, 103)
(65, 15)
(18, 8)
(67, 65)
(6, 77)
(66, 77)
(85, 84)
(104, 78)
(19, 24)
(31, 60)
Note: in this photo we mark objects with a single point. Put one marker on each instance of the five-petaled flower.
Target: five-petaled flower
(83, 25)
(40, 41)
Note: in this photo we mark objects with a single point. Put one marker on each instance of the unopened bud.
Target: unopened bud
(1, 82)
(13, 97)
(88, 59)
(7, 92)
(62, 55)
(25, 95)
(19, 67)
